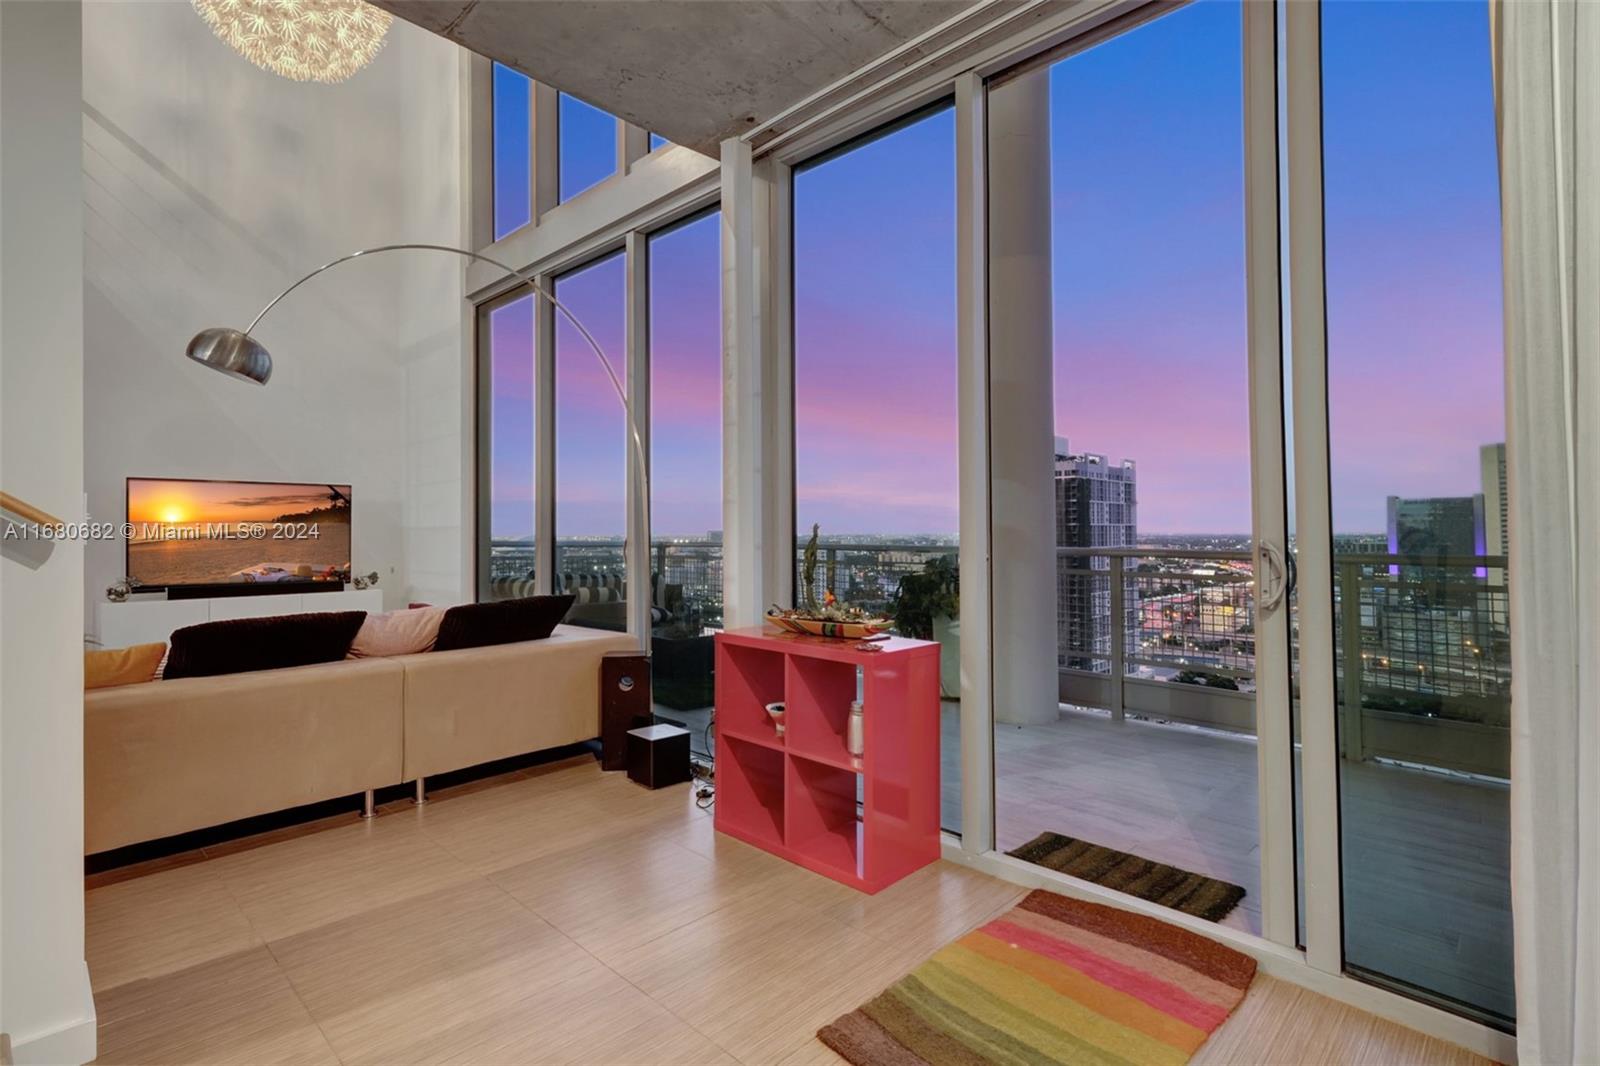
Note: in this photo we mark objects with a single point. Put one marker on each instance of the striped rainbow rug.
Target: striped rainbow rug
(1053, 980)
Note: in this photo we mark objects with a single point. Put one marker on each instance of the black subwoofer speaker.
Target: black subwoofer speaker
(624, 703)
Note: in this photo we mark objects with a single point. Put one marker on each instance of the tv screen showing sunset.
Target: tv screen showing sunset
(236, 532)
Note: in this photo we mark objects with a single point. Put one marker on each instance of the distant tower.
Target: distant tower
(1492, 463)
(1096, 507)
(1423, 529)
(1437, 621)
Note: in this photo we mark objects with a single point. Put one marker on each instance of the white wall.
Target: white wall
(209, 185)
(45, 1003)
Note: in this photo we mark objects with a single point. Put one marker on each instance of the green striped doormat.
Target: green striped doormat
(1182, 890)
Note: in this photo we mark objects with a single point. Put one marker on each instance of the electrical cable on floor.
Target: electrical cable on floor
(705, 789)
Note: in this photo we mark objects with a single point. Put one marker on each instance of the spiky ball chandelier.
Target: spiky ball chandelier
(307, 40)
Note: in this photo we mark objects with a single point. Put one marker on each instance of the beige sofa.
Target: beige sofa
(168, 757)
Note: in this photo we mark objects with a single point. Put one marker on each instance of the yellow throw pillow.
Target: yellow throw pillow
(122, 666)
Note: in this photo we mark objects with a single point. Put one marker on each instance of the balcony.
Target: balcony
(1422, 649)
(1153, 750)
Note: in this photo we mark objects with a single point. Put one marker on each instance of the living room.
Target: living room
(545, 639)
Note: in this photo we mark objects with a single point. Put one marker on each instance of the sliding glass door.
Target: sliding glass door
(1416, 463)
(1136, 764)
(1240, 305)
(1220, 270)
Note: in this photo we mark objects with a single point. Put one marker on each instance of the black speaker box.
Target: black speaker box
(624, 703)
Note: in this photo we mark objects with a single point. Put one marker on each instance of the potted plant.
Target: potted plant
(927, 606)
(831, 618)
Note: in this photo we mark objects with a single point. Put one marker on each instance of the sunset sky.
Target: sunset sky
(188, 502)
(1147, 228)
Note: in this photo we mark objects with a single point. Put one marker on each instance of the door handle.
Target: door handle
(1273, 584)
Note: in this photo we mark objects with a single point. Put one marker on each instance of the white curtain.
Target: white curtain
(1547, 60)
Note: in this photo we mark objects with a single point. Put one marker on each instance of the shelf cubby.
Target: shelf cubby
(747, 679)
(821, 819)
(750, 779)
(818, 693)
(866, 821)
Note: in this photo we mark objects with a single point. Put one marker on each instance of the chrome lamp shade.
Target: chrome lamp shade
(232, 352)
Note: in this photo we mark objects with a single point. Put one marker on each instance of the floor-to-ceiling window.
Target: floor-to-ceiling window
(685, 346)
(506, 474)
(1416, 460)
(588, 146)
(875, 387)
(1149, 761)
(591, 437)
(512, 179)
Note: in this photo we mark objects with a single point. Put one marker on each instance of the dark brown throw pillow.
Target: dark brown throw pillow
(480, 625)
(240, 645)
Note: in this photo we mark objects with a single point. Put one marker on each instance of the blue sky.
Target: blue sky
(686, 378)
(1148, 281)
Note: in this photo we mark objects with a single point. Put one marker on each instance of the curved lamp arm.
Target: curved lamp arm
(532, 283)
(240, 355)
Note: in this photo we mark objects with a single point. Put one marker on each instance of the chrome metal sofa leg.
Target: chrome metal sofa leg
(368, 808)
(422, 793)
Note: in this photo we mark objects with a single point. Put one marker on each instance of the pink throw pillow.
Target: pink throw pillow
(397, 633)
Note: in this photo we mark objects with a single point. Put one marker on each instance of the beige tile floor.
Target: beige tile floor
(558, 915)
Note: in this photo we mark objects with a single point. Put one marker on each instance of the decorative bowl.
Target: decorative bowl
(844, 629)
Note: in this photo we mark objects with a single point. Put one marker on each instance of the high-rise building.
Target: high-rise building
(1492, 465)
(1096, 507)
(1435, 624)
(1425, 529)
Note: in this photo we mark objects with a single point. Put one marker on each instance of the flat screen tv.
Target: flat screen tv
(260, 535)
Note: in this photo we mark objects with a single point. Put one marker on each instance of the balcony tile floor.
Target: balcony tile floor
(1427, 892)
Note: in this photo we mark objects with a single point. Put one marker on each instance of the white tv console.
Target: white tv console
(147, 620)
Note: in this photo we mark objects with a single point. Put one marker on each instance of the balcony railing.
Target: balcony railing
(866, 575)
(692, 568)
(1424, 658)
(1422, 647)
(859, 573)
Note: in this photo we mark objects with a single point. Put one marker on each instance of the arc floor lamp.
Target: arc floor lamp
(239, 355)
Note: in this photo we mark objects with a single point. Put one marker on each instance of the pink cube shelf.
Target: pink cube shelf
(795, 795)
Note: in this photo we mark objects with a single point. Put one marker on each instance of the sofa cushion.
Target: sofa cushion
(240, 645)
(106, 667)
(480, 625)
(397, 632)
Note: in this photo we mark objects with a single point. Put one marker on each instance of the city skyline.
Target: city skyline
(1414, 332)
